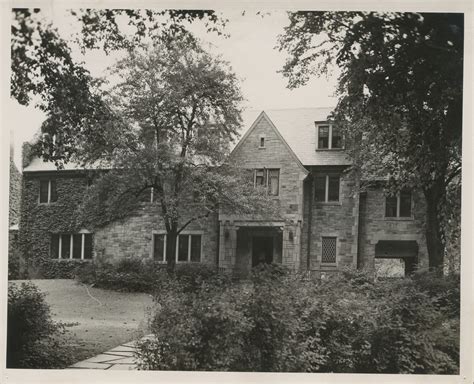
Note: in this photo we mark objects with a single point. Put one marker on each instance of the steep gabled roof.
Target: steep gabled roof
(297, 127)
(261, 116)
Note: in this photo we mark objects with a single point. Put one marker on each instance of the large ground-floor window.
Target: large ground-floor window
(188, 247)
(71, 246)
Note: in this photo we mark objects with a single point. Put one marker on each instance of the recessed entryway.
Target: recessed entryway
(262, 250)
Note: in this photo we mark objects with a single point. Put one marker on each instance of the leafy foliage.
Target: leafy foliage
(400, 102)
(58, 269)
(138, 275)
(281, 322)
(34, 340)
(45, 73)
(178, 109)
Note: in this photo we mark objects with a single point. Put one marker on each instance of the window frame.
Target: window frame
(189, 233)
(326, 189)
(266, 173)
(83, 234)
(398, 208)
(336, 256)
(50, 191)
(330, 138)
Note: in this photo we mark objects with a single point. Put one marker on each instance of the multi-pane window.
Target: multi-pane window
(328, 245)
(326, 188)
(323, 136)
(71, 246)
(269, 179)
(47, 193)
(399, 205)
(188, 247)
(329, 137)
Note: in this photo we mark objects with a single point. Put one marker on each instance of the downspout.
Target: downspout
(310, 219)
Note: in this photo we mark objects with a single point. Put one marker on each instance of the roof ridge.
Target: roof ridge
(289, 109)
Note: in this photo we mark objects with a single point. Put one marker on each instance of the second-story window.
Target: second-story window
(47, 192)
(326, 188)
(329, 137)
(399, 205)
(269, 179)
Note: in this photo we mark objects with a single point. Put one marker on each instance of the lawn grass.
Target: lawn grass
(99, 324)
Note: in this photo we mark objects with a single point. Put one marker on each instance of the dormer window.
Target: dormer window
(329, 137)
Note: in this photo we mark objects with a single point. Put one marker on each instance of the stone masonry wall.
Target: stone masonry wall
(133, 237)
(331, 219)
(275, 155)
(378, 227)
(125, 238)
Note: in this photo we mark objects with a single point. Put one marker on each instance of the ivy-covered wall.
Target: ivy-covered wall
(15, 194)
(129, 237)
(39, 221)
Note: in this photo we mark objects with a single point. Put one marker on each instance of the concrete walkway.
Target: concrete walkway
(118, 358)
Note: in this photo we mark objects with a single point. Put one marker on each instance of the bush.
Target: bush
(283, 322)
(14, 266)
(59, 269)
(139, 275)
(33, 339)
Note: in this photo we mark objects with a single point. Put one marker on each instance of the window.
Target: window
(188, 248)
(399, 205)
(328, 246)
(261, 141)
(71, 246)
(326, 188)
(329, 137)
(48, 192)
(269, 179)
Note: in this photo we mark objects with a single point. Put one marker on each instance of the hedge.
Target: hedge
(282, 322)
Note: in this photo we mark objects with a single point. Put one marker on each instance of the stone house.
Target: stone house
(299, 157)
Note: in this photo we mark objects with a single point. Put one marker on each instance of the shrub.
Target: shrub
(198, 330)
(193, 275)
(33, 339)
(14, 266)
(283, 322)
(59, 269)
(142, 275)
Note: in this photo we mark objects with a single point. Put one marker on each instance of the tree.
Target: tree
(175, 111)
(45, 73)
(400, 92)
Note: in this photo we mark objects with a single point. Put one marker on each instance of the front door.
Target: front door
(262, 250)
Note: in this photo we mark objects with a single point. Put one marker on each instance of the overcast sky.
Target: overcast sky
(250, 49)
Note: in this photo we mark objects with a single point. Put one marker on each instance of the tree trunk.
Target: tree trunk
(434, 241)
(171, 250)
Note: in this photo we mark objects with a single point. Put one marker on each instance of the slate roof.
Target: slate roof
(297, 126)
(37, 164)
